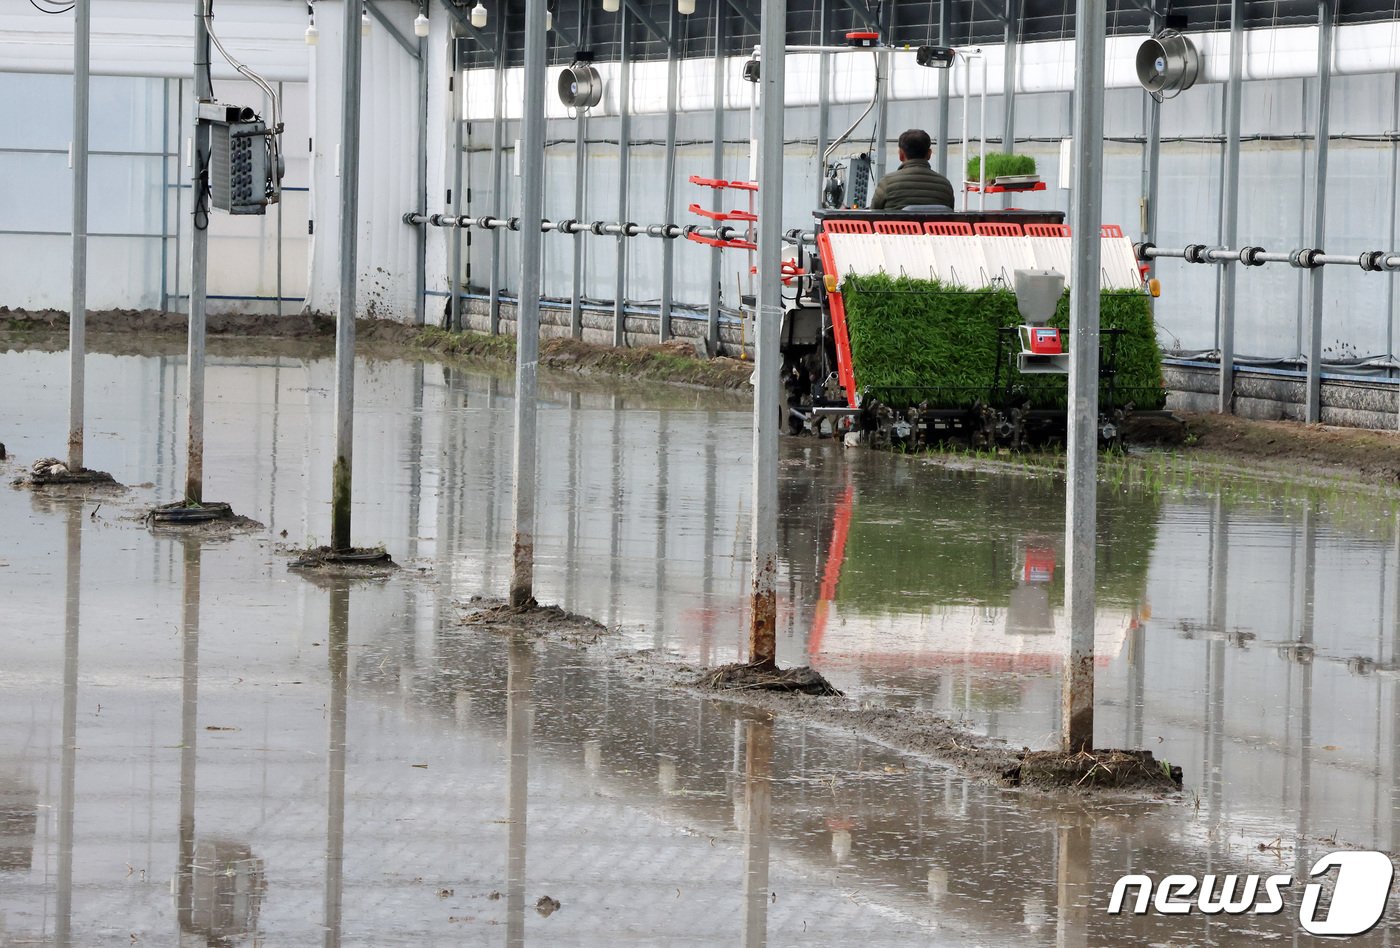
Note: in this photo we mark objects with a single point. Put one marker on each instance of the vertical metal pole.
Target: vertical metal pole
(717, 172)
(1010, 39)
(1392, 196)
(763, 643)
(459, 203)
(165, 192)
(77, 312)
(943, 89)
(1077, 727)
(624, 180)
(1151, 159)
(1319, 209)
(966, 153)
(580, 166)
(338, 660)
(823, 104)
(527, 325)
(1229, 208)
(668, 247)
(882, 92)
(497, 185)
(580, 173)
(420, 303)
(982, 139)
(199, 268)
(345, 313)
(281, 98)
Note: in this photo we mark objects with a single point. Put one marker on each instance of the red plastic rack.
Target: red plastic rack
(1006, 189)
(723, 215)
(721, 183)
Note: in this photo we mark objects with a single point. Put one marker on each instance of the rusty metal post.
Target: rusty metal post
(1081, 475)
(763, 642)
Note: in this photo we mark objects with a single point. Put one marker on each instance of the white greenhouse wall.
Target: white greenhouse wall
(141, 52)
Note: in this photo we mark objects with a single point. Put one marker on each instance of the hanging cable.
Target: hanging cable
(51, 8)
(274, 134)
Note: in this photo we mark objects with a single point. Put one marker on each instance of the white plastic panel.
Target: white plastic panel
(908, 255)
(1119, 265)
(1006, 255)
(1050, 253)
(860, 254)
(960, 261)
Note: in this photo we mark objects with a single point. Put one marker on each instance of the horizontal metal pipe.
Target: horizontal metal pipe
(1303, 258)
(600, 228)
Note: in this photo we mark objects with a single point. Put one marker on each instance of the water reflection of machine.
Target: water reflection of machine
(1029, 611)
(227, 886)
(1027, 634)
(19, 808)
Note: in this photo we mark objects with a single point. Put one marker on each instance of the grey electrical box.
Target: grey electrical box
(238, 167)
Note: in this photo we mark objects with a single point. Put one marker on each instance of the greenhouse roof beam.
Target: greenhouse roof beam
(864, 13)
(744, 13)
(466, 24)
(651, 25)
(991, 11)
(384, 21)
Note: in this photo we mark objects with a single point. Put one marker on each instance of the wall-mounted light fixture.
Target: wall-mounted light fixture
(612, 6)
(479, 15)
(685, 7)
(313, 35)
(420, 25)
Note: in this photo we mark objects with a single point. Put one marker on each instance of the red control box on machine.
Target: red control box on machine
(1045, 340)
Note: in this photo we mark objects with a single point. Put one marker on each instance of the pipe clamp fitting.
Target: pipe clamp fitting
(1193, 253)
(1249, 256)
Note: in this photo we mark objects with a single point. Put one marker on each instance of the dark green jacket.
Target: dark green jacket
(914, 183)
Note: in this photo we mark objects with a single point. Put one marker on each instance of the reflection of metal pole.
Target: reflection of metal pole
(189, 734)
(1077, 725)
(763, 603)
(63, 908)
(1151, 160)
(1305, 658)
(1072, 878)
(199, 267)
(527, 324)
(345, 312)
(338, 656)
(663, 530)
(758, 795)
(518, 711)
(77, 313)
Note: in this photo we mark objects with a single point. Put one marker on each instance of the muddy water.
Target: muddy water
(196, 744)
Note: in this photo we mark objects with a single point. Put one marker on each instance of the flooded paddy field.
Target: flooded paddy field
(199, 746)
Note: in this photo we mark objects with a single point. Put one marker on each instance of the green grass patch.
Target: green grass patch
(999, 164)
(921, 341)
